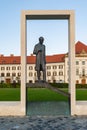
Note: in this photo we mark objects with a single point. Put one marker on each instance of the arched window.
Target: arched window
(54, 73)
(2, 74)
(61, 73)
(13, 74)
(13, 68)
(30, 74)
(48, 73)
(8, 74)
(19, 68)
(77, 71)
(18, 74)
(30, 67)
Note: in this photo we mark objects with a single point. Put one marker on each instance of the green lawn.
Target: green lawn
(81, 94)
(43, 94)
(9, 94)
(38, 94)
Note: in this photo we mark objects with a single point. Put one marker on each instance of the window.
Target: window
(60, 73)
(48, 73)
(54, 81)
(83, 72)
(48, 67)
(77, 62)
(2, 74)
(30, 67)
(83, 62)
(13, 74)
(19, 68)
(30, 81)
(13, 68)
(54, 73)
(8, 74)
(30, 74)
(60, 66)
(2, 68)
(77, 81)
(77, 71)
(35, 74)
(19, 74)
(54, 67)
(7, 68)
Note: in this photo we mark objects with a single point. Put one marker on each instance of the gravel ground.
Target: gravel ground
(44, 123)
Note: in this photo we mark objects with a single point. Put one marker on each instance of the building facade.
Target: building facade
(57, 67)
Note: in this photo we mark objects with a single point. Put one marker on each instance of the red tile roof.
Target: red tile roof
(55, 58)
(31, 59)
(9, 59)
(79, 47)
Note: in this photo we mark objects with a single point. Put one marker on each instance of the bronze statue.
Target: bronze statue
(39, 51)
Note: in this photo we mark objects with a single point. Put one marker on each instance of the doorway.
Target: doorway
(83, 81)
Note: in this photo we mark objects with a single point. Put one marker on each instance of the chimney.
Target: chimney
(31, 54)
(1, 55)
(11, 55)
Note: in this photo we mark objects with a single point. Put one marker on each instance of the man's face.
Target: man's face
(41, 40)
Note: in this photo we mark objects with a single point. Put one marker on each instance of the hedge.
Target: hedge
(9, 85)
(65, 85)
(60, 85)
(81, 85)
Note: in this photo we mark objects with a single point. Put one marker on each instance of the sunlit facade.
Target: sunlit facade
(57, 67)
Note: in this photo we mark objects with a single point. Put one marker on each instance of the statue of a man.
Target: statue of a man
(39, 51)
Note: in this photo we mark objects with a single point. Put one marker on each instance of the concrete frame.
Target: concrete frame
(49, 14)
(19, 108)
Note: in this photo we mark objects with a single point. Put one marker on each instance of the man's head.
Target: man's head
(41, 40)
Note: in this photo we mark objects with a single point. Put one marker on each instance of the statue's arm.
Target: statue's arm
(37, 50)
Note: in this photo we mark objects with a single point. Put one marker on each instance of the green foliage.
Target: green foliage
(9, 85)
(39, 94)
(60, 85)
(65, 85)
(81, 85)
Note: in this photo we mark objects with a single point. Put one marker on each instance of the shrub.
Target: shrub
(81, 85)
(9, 85)
(65, 85)
(60, 85)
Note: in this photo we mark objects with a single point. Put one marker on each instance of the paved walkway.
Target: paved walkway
(43, 123)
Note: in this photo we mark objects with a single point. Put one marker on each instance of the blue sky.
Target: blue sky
(54, 31)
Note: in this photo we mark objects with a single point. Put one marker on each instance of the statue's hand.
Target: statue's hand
(39, 50)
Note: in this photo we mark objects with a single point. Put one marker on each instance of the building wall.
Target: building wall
(81, 69)
(55, 72)
(10, 73)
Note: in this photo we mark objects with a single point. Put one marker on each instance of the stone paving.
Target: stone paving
(44, 123)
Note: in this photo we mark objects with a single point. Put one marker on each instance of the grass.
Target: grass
(39, 94)
(81, 94)
(9, 94)
(36, 94)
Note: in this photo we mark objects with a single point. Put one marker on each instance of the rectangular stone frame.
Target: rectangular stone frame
(19, 108)
(41, 15)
